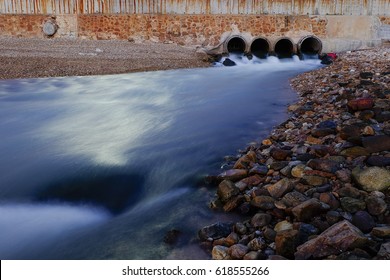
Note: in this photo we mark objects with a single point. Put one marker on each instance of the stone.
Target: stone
(215, 231)
(280, 154)
(241, 228)
(228, 241)
(356, 151)
(367, 115)
(298, 171)
(327, 124)
(324, 165)
(338, 238)
(380, 161)
(254, 255)
(294, 198)
(372, 178)
(378, 143)
(375, 205)
(237, 251)
(332, 217)
(252, 180)
(313, 140)
(363, 221)
(283, 225)
(228, 62)
(308, 209)
(233, 203)
(344, 175)
(360, 104)
(280, 188)
(233, 174)
(368, 131)
(322, 132)
(350, 131)
(260, 220)
(244, 161)
(259, 169)
(226, 189)
(263, 202)
(381, 232)
(313, 180)
(306, 231)
(257, 244)
(330, 199)
(286, 242)
(278, 165)
(269, 234)
(352, 205)
(220, 253)
(384, 252)
(348, 191)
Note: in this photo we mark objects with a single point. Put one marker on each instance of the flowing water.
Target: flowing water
(102, 167)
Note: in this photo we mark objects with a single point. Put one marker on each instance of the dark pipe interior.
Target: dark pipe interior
(284, 48)
(236, 45)
(310, 46)
(260, 48)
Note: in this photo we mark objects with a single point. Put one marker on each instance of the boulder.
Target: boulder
(263, 202)
(381, 232)
(372, 178)
(286, 242)
(280, 188)
(226, 189)
(229, 62)
(360, 104)
(308, 209)
(338, 238)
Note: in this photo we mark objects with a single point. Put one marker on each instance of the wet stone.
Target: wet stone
(259, 169)
(233, 175)
(283, 225)
(363, 221)
(308, 209)
(349, 191)
(269, 234)
(314, 180)
(352, 205)
(332, 217)
(215, 231)
(356, 151)
(280, 188)
(257, 244)
(226, 189)
(360, 104)
(254, 255)
(233, 203)
(294, 198)
(278, 165)
(330, 199)
(381, 232)
(280, 154)
(298, 171)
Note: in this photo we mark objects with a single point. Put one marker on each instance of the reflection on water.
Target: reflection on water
(133, 146)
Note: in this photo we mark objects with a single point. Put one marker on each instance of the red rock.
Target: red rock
(361, 104)
(338, 238)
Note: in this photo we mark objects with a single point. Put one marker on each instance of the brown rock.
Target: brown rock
(257, 244)
(253, 180)
(233, 203)
(280, 154)
(356, 151)
(352, 205)
(375, 205)
(280, 188)
(286, 243)
(308, 209)
(260, 220)
(384, 252)
(381, 232)
(380, 161)
(360, 104)
(330, 199)
(338, 238)
(263, 202)
(350, 131)
(220, 253)
(313, 180)
(324, 165)
(237, 251)
(283, 225)
(294, 198)
(244, 161)
(254, 255)
(378, 143)
(226, 190)
(298, 171)
(233, 175)
(349, 191)
(322, 132)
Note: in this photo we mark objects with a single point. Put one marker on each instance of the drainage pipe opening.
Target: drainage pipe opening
(236, 45)
(310, 45)
(260, 47)
(284, 48)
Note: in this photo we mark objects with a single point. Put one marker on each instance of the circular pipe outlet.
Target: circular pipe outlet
(260, 47)
(310, 45)
(284, 48)
(236, 45)
(49, 28)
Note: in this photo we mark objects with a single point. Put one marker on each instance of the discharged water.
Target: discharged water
(102, 167)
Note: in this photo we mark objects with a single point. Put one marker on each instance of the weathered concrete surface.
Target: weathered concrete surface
(249, 7)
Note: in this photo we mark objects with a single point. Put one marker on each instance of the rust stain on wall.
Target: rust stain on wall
(286, 7)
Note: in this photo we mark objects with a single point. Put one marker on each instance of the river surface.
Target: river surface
(102, 167)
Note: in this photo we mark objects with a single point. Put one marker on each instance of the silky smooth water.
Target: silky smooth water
(102, 167)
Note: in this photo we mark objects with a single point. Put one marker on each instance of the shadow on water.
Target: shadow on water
(115, 192)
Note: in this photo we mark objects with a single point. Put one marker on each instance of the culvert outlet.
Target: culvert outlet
(310, 45)
(236, 45)
(284, 48)
(260, 47)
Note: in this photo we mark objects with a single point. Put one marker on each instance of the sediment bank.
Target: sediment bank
(33, 58)
(318, 186)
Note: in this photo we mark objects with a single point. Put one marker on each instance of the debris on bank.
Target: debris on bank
(319, 186)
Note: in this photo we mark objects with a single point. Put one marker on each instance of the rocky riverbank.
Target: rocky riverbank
(318, 186)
